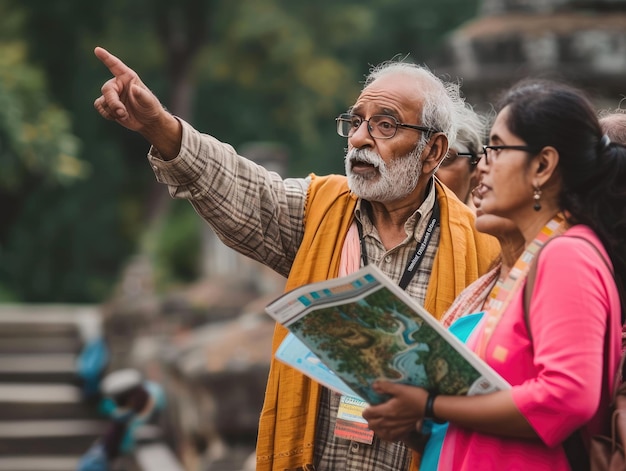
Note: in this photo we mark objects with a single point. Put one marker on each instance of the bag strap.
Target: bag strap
(574, 447)
(532, 273)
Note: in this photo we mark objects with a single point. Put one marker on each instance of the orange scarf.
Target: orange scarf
(287, 425)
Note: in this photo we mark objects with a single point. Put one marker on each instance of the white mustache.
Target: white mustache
(365, 156)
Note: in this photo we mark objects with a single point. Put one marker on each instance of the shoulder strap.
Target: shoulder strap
(573, 445)
(528, 293)
(532, 273)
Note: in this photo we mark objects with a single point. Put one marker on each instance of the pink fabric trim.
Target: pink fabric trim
(473, 297)
(350, 260)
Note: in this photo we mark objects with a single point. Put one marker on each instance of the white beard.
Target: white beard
(395, 181)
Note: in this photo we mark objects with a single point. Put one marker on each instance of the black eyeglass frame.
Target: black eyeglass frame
(347, 117)
(522, 148)
(473, 158)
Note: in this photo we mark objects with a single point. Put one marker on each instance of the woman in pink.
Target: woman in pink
(548, 168)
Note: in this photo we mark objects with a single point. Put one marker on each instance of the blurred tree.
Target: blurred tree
(280, 70)
(37, 146)
(35, 134)
(59, 241)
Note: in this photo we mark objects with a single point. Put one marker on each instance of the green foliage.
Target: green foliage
(61, 242)
(272, 73)
(177, 246)
(35, 134)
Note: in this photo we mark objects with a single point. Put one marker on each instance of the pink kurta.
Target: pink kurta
(558, 385)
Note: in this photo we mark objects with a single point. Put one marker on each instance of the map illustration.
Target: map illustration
(364, 328)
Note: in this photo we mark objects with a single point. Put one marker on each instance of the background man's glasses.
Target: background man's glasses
(491, 152)
(379, 126)
(454, 156)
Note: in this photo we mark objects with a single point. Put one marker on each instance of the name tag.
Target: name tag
(350, 423)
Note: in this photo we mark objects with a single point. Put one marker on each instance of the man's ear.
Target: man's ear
(545, 164)
(434, 152)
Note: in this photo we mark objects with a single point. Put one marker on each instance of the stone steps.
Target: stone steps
(46, 424)
(20, 401)
(67, 437)
(38, 463)
(31, 344)
(156, 456)
(38, 367)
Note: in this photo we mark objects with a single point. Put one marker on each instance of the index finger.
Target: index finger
(113, 63)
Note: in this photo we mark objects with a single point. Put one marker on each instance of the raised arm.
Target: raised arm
(128, 101)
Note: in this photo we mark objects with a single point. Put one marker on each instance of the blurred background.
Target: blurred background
(100, 270)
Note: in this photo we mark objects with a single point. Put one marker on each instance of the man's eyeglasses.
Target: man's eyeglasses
(379, 126)
(491, 152)
(453, 156)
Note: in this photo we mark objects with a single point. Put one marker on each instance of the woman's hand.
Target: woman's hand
(397, 418)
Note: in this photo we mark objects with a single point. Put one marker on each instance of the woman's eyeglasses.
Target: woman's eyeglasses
(492, 152)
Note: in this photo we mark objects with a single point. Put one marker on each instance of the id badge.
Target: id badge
(350, 423)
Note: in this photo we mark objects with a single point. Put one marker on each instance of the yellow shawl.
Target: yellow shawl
(287, 425)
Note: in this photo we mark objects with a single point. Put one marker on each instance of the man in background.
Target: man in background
(458, 169)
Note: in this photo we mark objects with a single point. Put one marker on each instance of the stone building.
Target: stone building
(581, 41)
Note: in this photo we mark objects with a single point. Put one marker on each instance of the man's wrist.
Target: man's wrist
(166, 137)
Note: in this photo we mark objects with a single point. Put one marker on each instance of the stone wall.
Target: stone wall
(581, 42)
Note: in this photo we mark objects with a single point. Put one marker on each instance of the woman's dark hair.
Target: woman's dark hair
(592, 169)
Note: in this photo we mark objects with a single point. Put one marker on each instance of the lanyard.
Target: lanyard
(503, 292)
(415, 261)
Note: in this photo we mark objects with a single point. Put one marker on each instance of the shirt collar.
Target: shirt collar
(361, 211)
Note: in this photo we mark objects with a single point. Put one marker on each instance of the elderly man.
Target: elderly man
(389, 211)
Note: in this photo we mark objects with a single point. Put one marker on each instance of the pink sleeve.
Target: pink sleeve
(573, 296)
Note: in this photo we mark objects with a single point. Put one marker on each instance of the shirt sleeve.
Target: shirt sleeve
(252, 210)
(568, 314)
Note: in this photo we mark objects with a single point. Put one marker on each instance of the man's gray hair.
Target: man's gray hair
(472, 131)
(613, 124)
(443, 105)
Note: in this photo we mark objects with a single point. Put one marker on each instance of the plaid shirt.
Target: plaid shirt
(261, 215)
